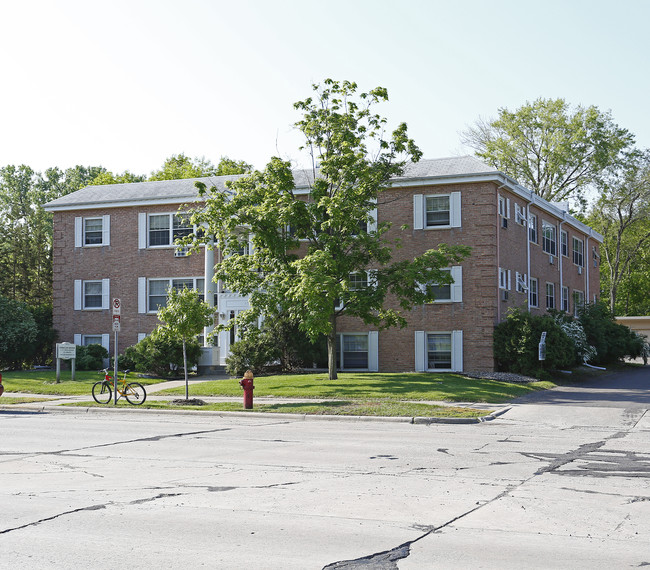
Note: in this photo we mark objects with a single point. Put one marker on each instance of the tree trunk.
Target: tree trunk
(331, 349)
(187, 384)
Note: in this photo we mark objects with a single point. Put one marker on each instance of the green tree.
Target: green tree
(179, 166)
(18, 332)
(622, 215)
(183, 318)
(552, 149)
(353, 161)
(107, 177)
(228, 166)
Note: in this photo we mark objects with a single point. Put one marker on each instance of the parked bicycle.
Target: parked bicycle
(134, 392)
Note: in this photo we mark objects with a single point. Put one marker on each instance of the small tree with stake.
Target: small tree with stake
(184, 317)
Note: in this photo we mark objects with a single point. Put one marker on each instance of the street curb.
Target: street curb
(259, 415)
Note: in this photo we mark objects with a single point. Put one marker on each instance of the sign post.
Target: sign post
(117, 313)
(65, 351)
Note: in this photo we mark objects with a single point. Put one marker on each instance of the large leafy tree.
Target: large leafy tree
(18, 333)
(180, 166)
(622, 215)
(310, 252)
(554, 150)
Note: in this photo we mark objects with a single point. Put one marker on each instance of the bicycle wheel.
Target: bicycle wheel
(135, 393)
(102, 392)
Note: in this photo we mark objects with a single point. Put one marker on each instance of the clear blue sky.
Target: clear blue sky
(125, 84)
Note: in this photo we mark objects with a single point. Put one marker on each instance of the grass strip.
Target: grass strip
(386, 408)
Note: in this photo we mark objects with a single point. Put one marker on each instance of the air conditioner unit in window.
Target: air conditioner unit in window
(181, 251)
(579, 270)
(550, 259)
(504, 295)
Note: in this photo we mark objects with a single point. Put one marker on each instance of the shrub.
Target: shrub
(155, 353)
(516, 344)
(256, 351)
(91, 357)
(612, 341)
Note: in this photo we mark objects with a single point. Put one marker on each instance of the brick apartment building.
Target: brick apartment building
(117, 241)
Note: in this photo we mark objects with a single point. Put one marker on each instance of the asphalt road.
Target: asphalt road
(543, 486)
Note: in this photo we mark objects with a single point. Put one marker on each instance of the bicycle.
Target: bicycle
(134, 392)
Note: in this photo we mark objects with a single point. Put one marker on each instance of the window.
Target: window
(358, 281)
(504, 278)
(565, 299)
(548, 238)
(564, 243)
(436, 211)
(157, 290)
(550, 295)
(448, 292)
(578, 302)
(91, 339)
(352, 351)
(520, 214)
(596, 257)
(520, 282)
(532, 228)
(578, 252)
(92, 232)
(504, 207)
(439, 351)
(91, 295)
(532, 291)
(165, 229)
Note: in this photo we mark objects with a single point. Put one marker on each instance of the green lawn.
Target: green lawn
(44, 381)
(7, 401)
(384, 408)
(359, 386)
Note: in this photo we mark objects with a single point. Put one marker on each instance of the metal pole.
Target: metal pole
(115, 371)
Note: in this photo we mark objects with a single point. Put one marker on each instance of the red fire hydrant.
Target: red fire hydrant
(247, 384)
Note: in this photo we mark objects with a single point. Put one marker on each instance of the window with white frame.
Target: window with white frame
(504, 278)
(564, 243)
(549, 243)
(92, 231)
(164, 229)
(520, 214)
(448, 292)
(550, 295)
(578, 252)
(157, 290)
(87, 339)
(352, 351)
(520, 282)
(565, 299)
(578, 302)
(532, 228)
(91, 294)
(439, 350)
(436, 211)
(504, 207)
(533, 292)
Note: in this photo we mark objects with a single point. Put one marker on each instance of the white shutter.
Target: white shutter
(372, 225)
(106, 230)
(457, 351)
(420, 351)
(77, 295)
(142, 230)
(509, 283)
(106, 290)
(106, 342)
(454, 204)
(418, 211)
(78, 232)
(77, 339)
(507, 207)
(142, 294)
(457, 285)
(373, 351)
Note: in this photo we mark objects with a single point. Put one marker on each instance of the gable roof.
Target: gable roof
(181, 191)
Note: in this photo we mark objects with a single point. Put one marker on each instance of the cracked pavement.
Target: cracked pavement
(545, 485)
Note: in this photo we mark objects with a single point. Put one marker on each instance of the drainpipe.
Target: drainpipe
(559, 256)
(532, 200)
(587, 269)
(209, 287)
